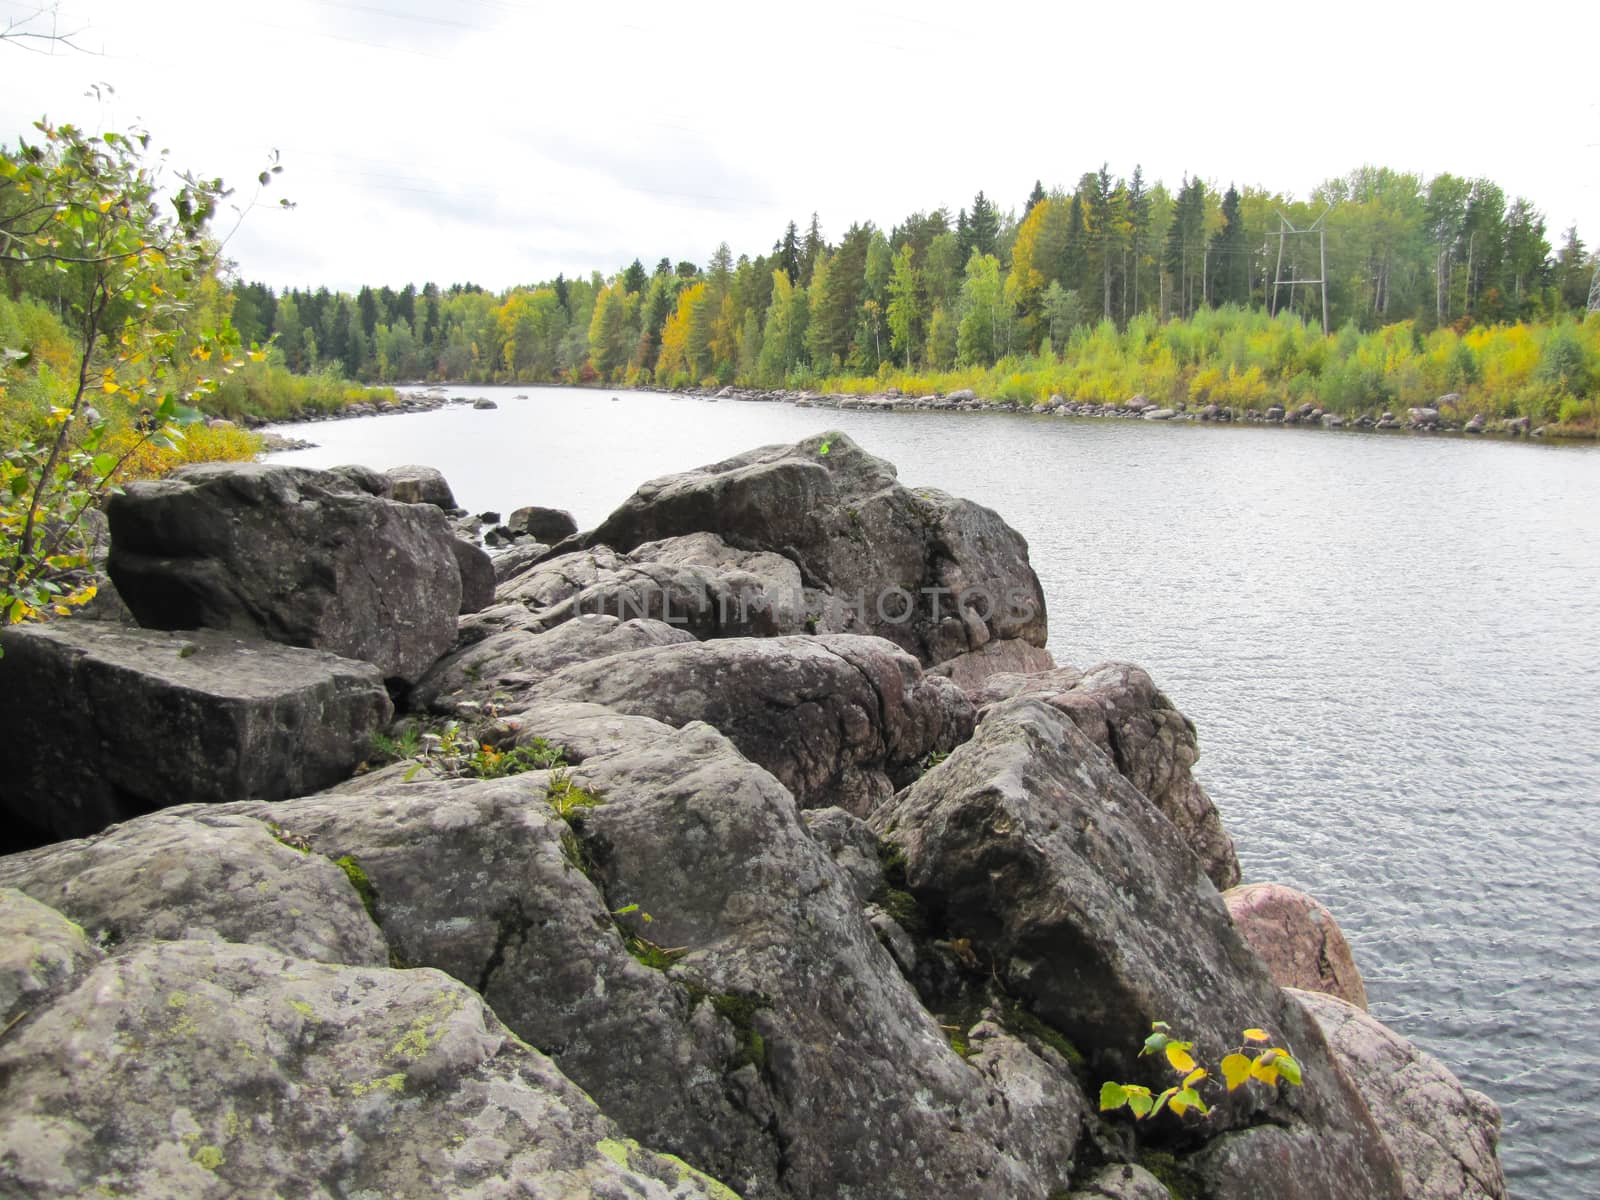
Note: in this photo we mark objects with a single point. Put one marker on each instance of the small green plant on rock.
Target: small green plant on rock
(1266, 1066)
(451, 752)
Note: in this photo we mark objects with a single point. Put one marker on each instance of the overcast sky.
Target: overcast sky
(502, 141)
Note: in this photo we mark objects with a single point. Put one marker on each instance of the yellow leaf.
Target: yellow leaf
(258, 356)
(1264, 1069)
(1194, 1077)
(1235, 1069)
(1177, 1106)
(109, 387)
(1178, 1055)
(1257, 1035)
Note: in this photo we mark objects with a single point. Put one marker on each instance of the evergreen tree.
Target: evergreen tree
(1034, 197)
(813, 249)
(1229, 270)
(634, 278)
(787, 250)
(983, 225)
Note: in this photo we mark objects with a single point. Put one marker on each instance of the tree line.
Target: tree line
(936, 292)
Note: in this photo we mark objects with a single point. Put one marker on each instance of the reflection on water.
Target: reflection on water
(1387, 644)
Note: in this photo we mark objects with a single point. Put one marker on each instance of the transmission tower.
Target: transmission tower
(1286, 230)
(1594, 290)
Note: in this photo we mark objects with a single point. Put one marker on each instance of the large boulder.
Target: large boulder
(1443, 1135)
(303, 557)
(840, 720)
(694, 959)
(201, 1071)
(1298, 939)
(501, 670)
(697, 582)
(1072, 888)
(105, 721)
(543, 524)
(412, 484)
(477, 575)
(171, 876)
(1013, 656)
(935, 575)
(1122, 711)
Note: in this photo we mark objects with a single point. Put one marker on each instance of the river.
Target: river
(1388, 643)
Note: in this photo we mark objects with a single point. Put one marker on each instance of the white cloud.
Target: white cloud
(503, 141)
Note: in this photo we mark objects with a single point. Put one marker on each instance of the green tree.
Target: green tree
(907, 306)
(1229, 273)
(131, 258)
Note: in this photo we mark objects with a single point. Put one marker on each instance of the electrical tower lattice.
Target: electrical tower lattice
(1594, 290)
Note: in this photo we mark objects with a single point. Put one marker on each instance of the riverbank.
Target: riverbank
(1445, 417)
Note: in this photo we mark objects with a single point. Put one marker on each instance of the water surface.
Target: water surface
(1388, 644)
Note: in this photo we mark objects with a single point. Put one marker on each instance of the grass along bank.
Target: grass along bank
(1244, 359)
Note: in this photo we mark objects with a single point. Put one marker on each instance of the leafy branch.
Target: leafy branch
(1266, 1066)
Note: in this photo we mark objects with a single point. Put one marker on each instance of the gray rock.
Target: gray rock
(369, 480)
(420, 485)
(1010, 657)
(776, 999)
(483, 402)
(962, 394)
(1145, 737)
(42, 954)
(1084, 901)
(477, 575)
(1443, 1135)
(171, 876)
(105, 721)
(1297, 938)
(293, 555)
(935, 575)
(697, 582)
(851, 844)
(840, 720)
(516, 559)
(1121, 1181)
(545, 524)
(226, 1071)
(1159, 414)
(502, 669)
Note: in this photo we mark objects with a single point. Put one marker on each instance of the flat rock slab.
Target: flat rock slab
(227, 1072)
(105, 722)
(840, 720)
(306, 558)
(172, 876)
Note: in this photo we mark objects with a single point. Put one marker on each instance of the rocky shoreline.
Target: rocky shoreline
(1441, 417)
(749, 844)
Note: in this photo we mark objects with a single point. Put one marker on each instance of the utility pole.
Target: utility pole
(1286, 230)
(1594, 290)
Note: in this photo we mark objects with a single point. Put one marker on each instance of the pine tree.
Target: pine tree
(813, 248)
(1034, 197)
(983, 226)
(787, 250)
(1229, 271)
